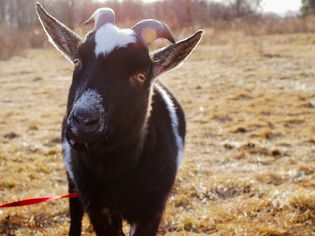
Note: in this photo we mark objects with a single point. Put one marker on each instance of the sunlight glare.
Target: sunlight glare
(281, 7)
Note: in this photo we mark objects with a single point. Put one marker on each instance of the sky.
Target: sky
(281, 6)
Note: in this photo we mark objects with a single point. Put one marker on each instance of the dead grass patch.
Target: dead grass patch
(249, 165)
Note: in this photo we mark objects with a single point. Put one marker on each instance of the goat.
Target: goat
(123, 134)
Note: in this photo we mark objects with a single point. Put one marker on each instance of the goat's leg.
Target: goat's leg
(148, 227)
(105, 223)
(76, 212)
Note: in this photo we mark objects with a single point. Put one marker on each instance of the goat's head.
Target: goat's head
(113, 75)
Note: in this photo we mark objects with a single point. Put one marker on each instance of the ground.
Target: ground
(249, 166)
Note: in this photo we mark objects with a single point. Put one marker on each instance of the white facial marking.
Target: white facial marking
(108, 37)
(174, 119)
(67, 158)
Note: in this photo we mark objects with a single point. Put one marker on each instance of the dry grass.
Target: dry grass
(13, 42)
(250, 156)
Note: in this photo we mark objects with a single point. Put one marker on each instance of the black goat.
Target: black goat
(123, 134)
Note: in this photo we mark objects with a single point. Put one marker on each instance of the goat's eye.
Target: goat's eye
(139, 78)
(77, 63)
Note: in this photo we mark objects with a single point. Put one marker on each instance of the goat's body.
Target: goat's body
(126, 183)
(123, 134)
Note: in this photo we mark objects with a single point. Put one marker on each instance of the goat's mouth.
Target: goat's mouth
(79, 141)
(83, 142)
(80, 147)
(76, 142)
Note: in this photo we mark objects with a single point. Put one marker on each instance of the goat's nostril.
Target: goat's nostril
(85, 119)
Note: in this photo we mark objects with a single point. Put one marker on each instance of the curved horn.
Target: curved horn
(150, 30)
(101, 17)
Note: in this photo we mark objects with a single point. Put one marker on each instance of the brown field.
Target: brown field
(249, 165)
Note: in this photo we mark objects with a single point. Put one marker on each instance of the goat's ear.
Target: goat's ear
(58, 34)
(170, 57)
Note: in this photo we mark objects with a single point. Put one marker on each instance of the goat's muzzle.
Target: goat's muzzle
(83, 126)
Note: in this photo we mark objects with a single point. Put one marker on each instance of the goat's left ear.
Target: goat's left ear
(64, 39)
(170, 57)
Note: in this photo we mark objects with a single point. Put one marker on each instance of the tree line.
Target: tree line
(18, 20)
(20, 14)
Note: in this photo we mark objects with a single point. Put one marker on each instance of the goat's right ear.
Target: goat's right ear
(64, 39)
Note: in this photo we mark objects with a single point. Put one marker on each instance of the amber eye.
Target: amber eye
(77, 63)
(139, 78)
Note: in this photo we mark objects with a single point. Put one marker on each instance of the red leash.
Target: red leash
(32, 201)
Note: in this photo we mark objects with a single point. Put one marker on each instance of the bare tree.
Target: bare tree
(178, 13)
(308, 7)
(245, 8)
(2, 10)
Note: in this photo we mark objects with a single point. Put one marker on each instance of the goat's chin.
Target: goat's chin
(80, 144)
(97, 144)
(84, 147)
(79, 147)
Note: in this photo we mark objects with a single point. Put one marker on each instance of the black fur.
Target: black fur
(117, 175)
(123, 155)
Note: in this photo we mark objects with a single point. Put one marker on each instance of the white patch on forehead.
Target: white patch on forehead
(109, 37)
(174, 120)
(67, 158)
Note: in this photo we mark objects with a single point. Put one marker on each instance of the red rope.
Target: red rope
(32, 201)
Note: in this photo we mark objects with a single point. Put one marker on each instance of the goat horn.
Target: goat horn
(101, 17)
(150, 30)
